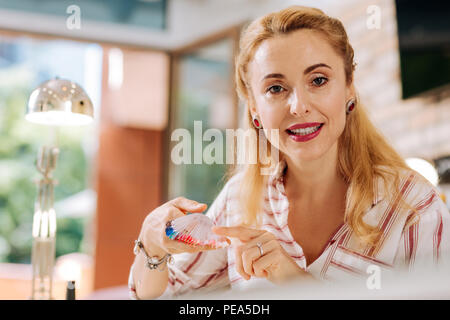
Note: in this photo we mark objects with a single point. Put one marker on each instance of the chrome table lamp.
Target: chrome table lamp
(56, 102)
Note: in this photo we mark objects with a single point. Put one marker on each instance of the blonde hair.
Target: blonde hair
(363, 152)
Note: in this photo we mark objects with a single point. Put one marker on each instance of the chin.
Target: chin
(304, 154)
(308, 151)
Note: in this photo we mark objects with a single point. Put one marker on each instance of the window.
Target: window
(204, 99)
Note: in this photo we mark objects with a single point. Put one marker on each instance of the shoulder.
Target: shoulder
(428, 207)
(426, 223)
(412, 187)
(413, 197)
(417, 190)
(423, 201)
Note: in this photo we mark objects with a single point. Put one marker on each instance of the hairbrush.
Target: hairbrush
(195, 229)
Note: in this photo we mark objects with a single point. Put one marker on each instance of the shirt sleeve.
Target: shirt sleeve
(425, 240)
(206, 270)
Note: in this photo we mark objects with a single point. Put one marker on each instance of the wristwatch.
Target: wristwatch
(152, 262)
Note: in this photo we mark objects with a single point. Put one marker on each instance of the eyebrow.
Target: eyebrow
(314, 66)
(307, 70)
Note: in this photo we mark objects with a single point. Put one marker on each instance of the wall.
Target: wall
(129, 173)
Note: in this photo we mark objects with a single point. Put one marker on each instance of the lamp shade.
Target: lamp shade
(59, 102)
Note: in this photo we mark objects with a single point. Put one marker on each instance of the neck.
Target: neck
(315, 182)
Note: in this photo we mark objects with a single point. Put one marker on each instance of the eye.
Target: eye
(320, 81)
(275, 89)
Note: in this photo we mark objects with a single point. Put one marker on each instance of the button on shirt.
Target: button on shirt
(405, 242)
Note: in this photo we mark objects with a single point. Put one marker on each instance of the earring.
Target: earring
(350, 106)
(256, 122)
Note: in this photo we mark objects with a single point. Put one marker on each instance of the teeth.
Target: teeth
(305, 131)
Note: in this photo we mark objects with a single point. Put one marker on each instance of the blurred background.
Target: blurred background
(151, 66)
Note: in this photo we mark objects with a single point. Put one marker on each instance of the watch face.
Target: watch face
(154, 260)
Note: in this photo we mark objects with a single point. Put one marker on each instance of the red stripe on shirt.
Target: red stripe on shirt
(172, 281)
(236, 279)
(412, 243)
(193, 262)
(276, 227)
(276, 212)
(212, 276)
(437, 238)
(272, 198)
(403, 195)
(364, 257)
(341, 237)
(346, 267)
(389, 217)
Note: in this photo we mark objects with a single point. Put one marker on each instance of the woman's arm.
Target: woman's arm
(151, 283)
(190, 271)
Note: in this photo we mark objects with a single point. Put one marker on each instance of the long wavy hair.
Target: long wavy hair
(363, 153)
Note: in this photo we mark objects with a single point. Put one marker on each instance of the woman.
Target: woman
(339, 200)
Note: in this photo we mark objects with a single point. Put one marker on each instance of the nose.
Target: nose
(298, 104)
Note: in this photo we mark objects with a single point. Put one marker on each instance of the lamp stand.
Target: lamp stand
(44, 226)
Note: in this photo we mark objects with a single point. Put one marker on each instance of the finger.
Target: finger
(261, 273)
(248, 256)
(267, 264)
(187, 205)
(239, 266)
(262, 238)
(267, 249)
(240, 232)
(251, 251)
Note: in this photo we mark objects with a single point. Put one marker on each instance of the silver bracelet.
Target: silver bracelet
(152, 262)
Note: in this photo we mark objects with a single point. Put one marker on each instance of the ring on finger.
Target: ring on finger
(261, 251)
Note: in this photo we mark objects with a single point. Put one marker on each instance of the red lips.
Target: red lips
(304, 125)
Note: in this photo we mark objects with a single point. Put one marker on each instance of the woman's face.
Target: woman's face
(298, 79)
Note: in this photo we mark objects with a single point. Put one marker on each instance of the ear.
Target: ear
(251, 104)
(350, 92)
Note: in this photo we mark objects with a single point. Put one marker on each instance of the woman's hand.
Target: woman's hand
(275, 264)
(153, 233)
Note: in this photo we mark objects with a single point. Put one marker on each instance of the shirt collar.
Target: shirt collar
(276, 179)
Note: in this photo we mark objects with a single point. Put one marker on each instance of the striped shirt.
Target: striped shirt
(406, 242)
